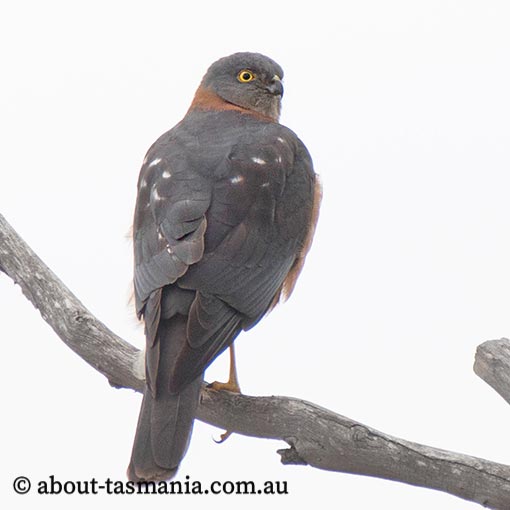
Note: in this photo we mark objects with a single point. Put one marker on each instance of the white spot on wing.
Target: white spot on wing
(166, 174)
(154, 162)
(264, 185)
(258, 161)
(237, 179)
(155, 194)
(280, 139)
(143, 183)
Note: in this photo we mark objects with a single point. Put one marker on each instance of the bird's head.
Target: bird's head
(247, 80)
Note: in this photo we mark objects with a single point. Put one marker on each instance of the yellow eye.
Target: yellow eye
(245, 76)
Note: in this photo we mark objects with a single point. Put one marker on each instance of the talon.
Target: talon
(224, 436)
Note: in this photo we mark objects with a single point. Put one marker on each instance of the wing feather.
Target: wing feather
(220, 233)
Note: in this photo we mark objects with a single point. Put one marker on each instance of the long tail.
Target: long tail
(166, 419)
(163, 433)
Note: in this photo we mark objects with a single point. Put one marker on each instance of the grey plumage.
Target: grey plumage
(224, 208)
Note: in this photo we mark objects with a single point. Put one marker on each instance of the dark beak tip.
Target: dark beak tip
(276, 88)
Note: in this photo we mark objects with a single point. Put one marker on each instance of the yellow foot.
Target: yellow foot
(232, 386)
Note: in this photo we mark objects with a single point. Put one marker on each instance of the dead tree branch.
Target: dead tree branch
(492, 364)
(317, 437)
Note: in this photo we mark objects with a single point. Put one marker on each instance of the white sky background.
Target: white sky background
(405, 107)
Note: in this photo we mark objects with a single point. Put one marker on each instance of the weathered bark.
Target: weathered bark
(316, 436)
(59, 307)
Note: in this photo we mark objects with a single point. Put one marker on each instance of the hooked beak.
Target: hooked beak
(276, 86)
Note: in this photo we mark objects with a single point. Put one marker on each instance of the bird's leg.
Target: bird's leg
(232, 384)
